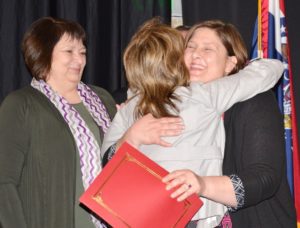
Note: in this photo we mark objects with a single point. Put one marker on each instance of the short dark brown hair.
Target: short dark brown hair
(40, 39)
(183, 28)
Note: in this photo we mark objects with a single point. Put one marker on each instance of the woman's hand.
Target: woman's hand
(216, 188)
(149, 130)
(187, 182)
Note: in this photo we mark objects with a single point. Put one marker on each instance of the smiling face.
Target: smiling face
(68, 62)
(206, 57)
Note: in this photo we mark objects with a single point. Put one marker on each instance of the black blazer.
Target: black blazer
(255, 151)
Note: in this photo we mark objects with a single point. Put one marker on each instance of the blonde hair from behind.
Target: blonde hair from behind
(155, 67)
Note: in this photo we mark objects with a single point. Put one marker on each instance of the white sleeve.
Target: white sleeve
(121, 122)
(259, 76)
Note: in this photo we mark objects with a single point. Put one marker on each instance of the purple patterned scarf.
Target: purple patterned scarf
(89, 150)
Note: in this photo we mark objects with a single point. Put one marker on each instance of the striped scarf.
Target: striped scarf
(89, 150)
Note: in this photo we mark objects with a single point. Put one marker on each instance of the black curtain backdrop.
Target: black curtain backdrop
(109, 25)
(243, 15)
(240, 13)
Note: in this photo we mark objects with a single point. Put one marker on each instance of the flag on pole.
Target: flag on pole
(270, 40)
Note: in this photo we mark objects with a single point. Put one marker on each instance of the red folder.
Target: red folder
(129, 193)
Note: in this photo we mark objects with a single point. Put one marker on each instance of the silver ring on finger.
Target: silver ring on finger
(188, 186)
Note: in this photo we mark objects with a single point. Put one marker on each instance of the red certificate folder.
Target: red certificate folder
(129, 193)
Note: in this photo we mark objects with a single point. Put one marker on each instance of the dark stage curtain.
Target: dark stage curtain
(243, 15)
(109, 25)
(240, 13)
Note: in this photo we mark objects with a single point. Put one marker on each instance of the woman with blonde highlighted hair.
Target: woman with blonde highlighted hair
(155, 67)
(162, 83)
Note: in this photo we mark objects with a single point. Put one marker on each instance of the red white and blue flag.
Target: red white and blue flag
(270, 40)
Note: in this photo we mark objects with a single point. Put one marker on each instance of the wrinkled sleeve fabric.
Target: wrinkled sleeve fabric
(259, 76)
(123, 119)
(14, 143)
(258, 156)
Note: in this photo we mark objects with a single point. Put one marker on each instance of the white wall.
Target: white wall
(176, 13)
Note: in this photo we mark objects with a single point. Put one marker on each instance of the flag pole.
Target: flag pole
(259, 32)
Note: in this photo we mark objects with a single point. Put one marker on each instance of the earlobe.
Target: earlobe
(231, 63)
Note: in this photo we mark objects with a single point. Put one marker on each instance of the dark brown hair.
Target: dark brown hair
(155, 67)
(40, 39)
(183, 28)
(230, 38)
